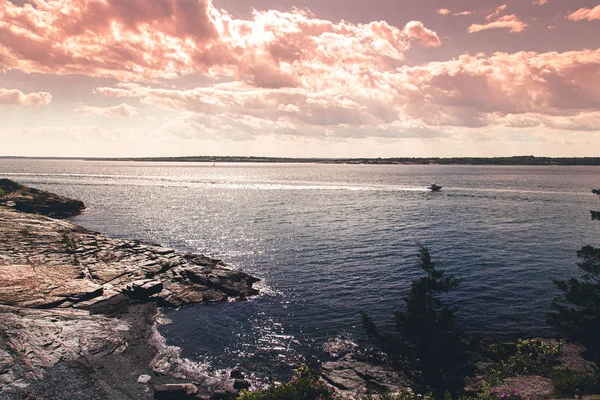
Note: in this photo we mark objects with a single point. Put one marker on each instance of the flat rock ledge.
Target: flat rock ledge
(353, 376)
(70, 295)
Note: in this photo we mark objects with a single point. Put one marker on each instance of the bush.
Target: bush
(569, 382)
(304, 385)
(532, 357)
(427, 345)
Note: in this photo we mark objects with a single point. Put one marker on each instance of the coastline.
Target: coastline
(79, 309)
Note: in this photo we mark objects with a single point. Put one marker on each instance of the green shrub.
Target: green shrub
(527, 357)
(569, 382)
(304, 385)
(532, 357)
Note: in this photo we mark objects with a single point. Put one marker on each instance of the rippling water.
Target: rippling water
(332, 240)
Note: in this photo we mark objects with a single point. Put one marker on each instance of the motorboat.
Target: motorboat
(434, 187)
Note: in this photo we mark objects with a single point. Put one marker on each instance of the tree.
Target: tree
(426, 345)
(577, 308)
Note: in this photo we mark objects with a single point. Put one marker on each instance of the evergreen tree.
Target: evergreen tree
(426, 345)
(577, 309)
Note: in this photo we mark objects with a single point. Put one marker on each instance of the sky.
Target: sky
(299, 78)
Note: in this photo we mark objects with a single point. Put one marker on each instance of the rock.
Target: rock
(144, 378)
(38, 339)
(236, 374)
(528, 387)
(30, 200)
(350, 375)
(143, 288)
(8, 185)
(175, 391)
(240, 384)
(47, 263)
(64, 289)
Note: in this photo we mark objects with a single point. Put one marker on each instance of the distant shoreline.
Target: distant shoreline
(515, 160)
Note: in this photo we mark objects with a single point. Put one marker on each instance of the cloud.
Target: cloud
(510, 22)
(445, 11)
(496, 12)
(521, 90)
(540, 2)
(15, 96)
(140, 41)
(122, 110)
(585, 14)
(426, 37)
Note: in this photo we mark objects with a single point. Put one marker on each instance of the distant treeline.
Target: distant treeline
(517, 160)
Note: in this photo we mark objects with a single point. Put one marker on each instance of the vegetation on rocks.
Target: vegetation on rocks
(427, 344)
(304, 385)
(529, 357)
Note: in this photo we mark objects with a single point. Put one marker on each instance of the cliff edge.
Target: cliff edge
(77, 308)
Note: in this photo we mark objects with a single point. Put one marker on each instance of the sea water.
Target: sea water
(330, 241)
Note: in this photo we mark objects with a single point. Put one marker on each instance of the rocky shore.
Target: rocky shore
(78, 309)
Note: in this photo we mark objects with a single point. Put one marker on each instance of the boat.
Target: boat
(434, 187)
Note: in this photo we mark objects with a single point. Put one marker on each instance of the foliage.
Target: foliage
(530, 357)
(569, 382)
(304, 385)
(409, 395)
(427, 345)
(402, 395)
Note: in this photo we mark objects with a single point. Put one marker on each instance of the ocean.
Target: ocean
(330, 241)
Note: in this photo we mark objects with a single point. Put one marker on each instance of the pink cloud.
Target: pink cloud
(585, 14)
(540, 2)
(496, 12)
(15, 96)
(510, 22)
(426, 37)
(445, 11)
(524, 90)
(122, 110)
(141, 41)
